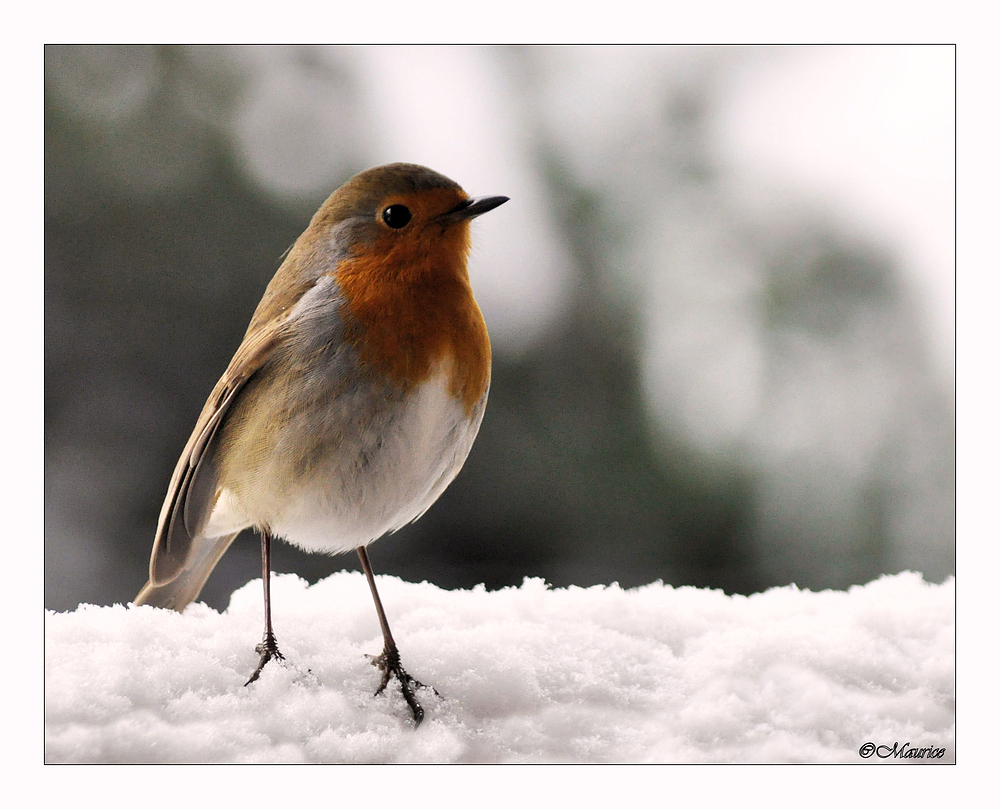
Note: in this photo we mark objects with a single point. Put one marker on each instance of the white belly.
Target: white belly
(365, 487)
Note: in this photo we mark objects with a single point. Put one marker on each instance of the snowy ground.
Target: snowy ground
(528, 674)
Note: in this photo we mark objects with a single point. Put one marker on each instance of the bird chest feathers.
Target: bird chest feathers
(366, 446)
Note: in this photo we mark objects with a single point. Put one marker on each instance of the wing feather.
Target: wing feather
(192, 491)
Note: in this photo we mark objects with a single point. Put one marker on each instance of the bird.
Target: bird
(351, 403)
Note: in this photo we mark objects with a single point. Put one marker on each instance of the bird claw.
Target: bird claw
(389, 664)
(268, 650)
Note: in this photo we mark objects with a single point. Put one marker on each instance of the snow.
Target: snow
(526, 674)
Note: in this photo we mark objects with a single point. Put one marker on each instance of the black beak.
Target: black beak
(471, 208)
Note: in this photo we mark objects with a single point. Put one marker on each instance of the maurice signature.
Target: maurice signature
(868, 749)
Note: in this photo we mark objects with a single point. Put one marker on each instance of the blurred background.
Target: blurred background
(721, 299)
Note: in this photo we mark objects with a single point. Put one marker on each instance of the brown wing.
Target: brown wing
(180, 549)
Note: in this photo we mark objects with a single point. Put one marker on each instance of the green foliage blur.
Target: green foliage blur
(159, 243)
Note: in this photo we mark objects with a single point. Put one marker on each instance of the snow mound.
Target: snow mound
(526, 674)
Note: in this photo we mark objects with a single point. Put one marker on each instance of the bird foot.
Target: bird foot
(268, 650)
(388, 662)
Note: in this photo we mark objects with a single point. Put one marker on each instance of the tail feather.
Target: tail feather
(184, 588)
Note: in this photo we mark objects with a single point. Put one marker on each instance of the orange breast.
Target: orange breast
(411, 311)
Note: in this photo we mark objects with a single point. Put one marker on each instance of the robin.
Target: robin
(351, 403)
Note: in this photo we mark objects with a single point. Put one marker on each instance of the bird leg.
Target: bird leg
(388, 661)
(268, 647)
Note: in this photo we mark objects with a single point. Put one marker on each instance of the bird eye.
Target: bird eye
(396, 216)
